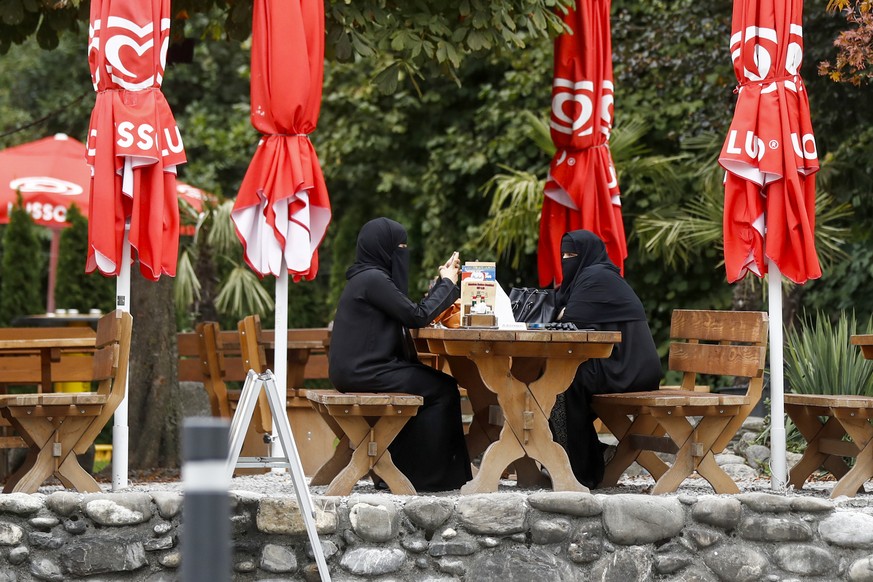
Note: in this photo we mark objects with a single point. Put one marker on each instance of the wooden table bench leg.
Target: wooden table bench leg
(688, 437)
(861, 432)
(342, 454)
(497, 457)
(625, 454)
(814, 431)
(362, 462)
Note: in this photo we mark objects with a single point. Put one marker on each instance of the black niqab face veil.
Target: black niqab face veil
(592, 290)
(379, 248)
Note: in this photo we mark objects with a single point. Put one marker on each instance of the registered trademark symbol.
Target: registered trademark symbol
(571, 162)
(774, 144)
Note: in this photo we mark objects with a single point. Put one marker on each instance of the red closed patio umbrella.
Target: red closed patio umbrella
(582, 188)
(282, 210)
(770, 158)
(51, 175)
(134, 147)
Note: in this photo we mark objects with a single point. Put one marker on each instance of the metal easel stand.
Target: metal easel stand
(291, 459)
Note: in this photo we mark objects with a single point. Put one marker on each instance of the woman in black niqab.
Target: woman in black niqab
(593, 295)
(371, 351)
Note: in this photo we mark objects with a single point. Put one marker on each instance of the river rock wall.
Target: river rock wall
(541, 536)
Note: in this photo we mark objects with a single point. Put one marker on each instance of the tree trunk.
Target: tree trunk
(155, 411)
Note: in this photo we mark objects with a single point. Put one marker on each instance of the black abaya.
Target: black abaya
(370, 351)
(593, 295)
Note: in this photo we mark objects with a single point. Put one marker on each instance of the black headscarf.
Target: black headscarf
(592, 289)
(378, 248)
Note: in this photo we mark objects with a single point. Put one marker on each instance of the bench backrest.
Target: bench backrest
(110, 364)
(24, 369)
(722, 343)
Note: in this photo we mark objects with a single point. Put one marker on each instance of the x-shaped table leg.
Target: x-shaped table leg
(861, 432)
(625, 453)
(815, 432)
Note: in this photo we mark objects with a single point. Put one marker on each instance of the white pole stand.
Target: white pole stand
(290, 458)
(778, 472)
(120, 427)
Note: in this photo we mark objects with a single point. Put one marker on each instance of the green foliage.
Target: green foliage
(21, 289)
(73, 288)
(820, 360)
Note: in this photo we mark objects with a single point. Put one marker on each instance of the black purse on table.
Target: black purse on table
(532, 305)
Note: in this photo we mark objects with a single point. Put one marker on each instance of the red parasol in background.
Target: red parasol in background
(134, 147)
(582, 188)
(51, 174)
(770, 158)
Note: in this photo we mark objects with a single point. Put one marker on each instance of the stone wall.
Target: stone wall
(544, 536)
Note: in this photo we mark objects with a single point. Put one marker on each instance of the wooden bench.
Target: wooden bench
(314, 439)
(215, 358)
(366, 424)
(28, 369)
(693, 425)
(836, 427)
(58, 427)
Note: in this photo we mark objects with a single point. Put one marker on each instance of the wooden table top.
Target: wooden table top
(46, 343)
(509, 335)
(866, 343)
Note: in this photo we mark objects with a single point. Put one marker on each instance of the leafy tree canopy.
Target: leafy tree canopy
(409, 36)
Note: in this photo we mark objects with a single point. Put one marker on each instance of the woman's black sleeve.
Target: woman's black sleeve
(386, 297)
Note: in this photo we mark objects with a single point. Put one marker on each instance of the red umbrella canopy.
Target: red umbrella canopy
(282, 209)
(51, 174)
(582, 188)
(770, 153)
(134, 145)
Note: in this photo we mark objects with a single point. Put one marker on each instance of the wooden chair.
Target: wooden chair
(366, 424)
(693, 425)
(221, 362)
(59, 426)
(314, 439)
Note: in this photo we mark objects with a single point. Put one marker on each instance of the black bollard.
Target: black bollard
(206, 541)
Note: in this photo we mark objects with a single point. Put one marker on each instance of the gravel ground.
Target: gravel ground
(280, 484)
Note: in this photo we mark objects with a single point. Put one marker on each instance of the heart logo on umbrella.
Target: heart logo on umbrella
(572, 106)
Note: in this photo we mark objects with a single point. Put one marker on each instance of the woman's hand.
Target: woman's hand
(450, 269)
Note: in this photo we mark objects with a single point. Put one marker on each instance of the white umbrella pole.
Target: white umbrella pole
(778, 473)
(280, 351)
(120, 430)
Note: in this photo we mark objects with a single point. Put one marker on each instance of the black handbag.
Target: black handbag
(532, 305)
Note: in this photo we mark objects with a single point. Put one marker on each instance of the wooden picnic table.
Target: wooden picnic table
(48, 350)
(522, 372)
(825, 421)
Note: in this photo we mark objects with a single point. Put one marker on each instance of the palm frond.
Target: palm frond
(186, 287)
(242, 294)
(222, 235)
(514, 215)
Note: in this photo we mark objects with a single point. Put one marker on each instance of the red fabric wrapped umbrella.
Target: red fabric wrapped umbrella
(134, 145)
(582, 188)
(282, 209)
(771, 160)
(769, 154)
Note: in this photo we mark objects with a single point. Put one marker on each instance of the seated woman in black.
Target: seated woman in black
(593, 295)
(371, 351)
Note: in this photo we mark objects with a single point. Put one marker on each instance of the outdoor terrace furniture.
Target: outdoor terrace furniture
(59, 426)
(522, 372)
(314, 439)
(216, 358)
(58, 359)
(825, 421)
(692, 424)
(365, 424)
